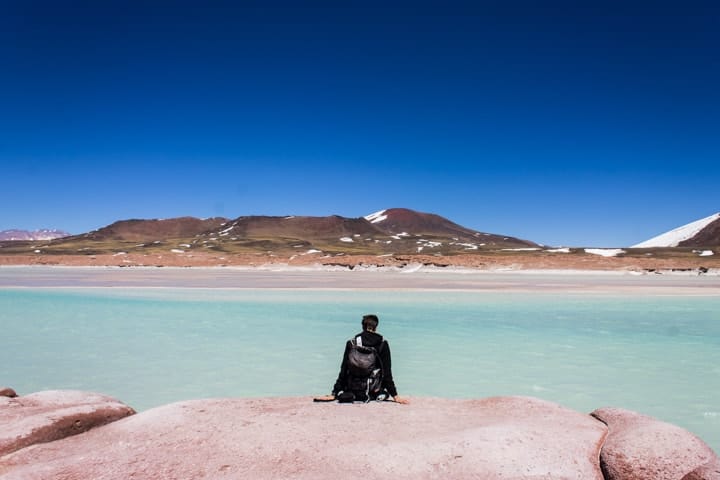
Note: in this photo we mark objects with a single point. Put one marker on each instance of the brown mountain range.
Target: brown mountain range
(392, 237)
(392, 231)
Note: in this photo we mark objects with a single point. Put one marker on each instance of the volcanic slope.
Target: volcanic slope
(388, 232)
(392, 231)
(700, 233)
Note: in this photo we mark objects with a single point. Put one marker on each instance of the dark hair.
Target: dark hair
(370, 322)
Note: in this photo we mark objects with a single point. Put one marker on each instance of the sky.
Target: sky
(564, 123)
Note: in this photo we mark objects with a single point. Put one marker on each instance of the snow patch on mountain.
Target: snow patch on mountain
(376, 217)
(605, 252)
(674, 237)
(44, 234)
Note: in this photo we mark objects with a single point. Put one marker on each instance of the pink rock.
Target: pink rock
(709, 471)
(639, 447)
(279, 438)
(7, 392)
(52, 415)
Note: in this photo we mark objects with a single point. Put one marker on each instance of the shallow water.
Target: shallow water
(659, 355)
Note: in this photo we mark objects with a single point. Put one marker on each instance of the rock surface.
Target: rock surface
(52, 415)
(639, 447)
(280, 438)
(709, 471)
(7, 392)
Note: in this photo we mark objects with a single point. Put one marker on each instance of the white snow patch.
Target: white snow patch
(225, 232)
(605, 252)
(120, 253)
(289, 217)
(704, 253)
(347, 240)
(312, 250)
(177, 250)
(558, 250)
(527, 249)
(680, 234)
(429, 244)
(376, 217)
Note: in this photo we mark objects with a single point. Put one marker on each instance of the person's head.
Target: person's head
(370, 323)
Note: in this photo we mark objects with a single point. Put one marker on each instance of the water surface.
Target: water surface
(657, 354)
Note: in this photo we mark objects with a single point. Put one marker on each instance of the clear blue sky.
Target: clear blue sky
(565, 123)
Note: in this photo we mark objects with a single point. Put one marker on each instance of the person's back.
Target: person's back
(366, 369)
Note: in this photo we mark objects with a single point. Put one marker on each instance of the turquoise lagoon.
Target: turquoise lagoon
(657, 354)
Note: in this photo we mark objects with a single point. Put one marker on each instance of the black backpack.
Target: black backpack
(365, 372)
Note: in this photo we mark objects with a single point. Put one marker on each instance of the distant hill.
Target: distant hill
(700, 233)
(388, 232)
(402, 221)
(396, 230)
(25, 235)
(154, 230)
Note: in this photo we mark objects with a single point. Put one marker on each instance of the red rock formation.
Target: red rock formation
(7, 392)
(709, 471)
(52, 415)
(280, 438)
(639, 447)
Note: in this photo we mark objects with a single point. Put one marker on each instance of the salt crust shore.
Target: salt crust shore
(412, 277)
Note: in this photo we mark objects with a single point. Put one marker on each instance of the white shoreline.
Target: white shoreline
(388, 278)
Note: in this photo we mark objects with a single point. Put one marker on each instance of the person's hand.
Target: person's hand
(401, 400)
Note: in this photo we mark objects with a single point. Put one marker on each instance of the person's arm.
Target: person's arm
(342, 376)
(386, 358)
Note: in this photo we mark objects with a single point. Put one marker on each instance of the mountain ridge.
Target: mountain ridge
(390, 231)
(704, 232)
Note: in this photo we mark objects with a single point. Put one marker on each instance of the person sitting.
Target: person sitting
(366, 368)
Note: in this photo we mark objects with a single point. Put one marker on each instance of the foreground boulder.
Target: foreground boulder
(280, 438)
(52, 415)
(639, 447)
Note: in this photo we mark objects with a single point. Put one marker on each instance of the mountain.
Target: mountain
(19, 235)
(300, 227)
(405, 222)
(700, 233)
(396, 230)
(388, 232)
(154, 230)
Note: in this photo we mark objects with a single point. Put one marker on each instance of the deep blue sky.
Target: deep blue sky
(565, 123)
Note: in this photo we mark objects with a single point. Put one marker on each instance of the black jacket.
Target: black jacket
(375, 340)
